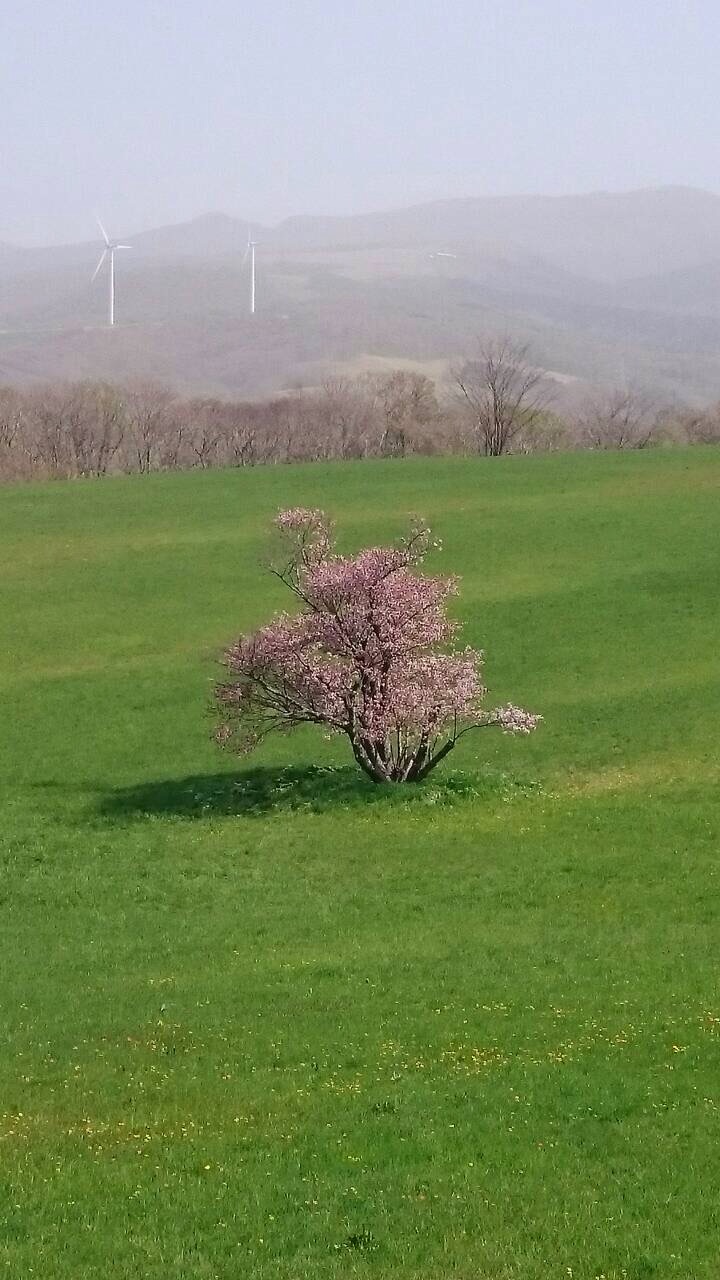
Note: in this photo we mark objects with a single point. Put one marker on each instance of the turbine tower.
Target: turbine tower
(109, 252)
(250, 253)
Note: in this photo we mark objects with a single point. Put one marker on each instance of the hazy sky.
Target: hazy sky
(153, 111)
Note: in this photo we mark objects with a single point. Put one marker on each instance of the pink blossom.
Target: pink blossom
(514, 720)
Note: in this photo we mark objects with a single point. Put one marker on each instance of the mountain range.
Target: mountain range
(606, 287)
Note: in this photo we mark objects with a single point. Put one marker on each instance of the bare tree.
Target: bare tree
(15, 461)
(95, 427)
(241, 437)
(701, 426)
(44, 431)
(206, 429)
(547, 433)
(620, 419)
(154, 432)
(11, 416)
(346, 411)
(74, 428)
(504, 394)
(407, 404)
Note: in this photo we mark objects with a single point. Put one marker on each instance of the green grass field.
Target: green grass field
(262, 1019)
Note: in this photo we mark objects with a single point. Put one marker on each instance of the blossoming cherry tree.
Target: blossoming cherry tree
(367, 655)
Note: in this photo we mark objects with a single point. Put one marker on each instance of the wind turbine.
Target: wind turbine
(250, 253)
(109, 252)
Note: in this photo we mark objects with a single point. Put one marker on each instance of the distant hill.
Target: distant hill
(605, 286)
(606, 236)
(691, 290)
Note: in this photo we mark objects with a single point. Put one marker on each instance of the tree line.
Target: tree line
(497, 402)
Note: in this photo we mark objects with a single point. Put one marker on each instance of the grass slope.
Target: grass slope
(280, 1024)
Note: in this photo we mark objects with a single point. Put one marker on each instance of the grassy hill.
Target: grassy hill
(266, 1020)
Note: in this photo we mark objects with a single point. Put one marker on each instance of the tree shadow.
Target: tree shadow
(313, 788)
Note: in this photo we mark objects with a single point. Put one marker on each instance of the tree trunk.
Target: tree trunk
(377, 763)
(369, 761)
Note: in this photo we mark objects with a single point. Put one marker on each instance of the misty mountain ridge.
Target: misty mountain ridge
(605, 235)
(600, 284)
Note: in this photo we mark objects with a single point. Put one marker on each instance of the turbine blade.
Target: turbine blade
(122, 246)
(103, 256)
(245, 256)
(105, 235)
